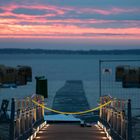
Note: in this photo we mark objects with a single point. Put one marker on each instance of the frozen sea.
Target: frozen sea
(59, 68)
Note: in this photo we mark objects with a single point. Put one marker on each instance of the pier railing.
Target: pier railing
(25, 116)
(116, 117)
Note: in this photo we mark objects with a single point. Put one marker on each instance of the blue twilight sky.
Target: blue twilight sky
(70, 24)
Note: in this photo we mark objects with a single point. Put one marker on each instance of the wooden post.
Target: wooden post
(23, 122)
(34, 115)
(42, 111)
(17, 131)
(37, 113)
(31, 119)
(129, 129)
(26, 120)
(108, 115)
(12, 121)
(111, 118)
(114, 120)
(101, 109)
(122, 124)
(117, 124)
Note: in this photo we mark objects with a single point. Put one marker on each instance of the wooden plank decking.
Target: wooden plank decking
(70, 132)
(71, 98)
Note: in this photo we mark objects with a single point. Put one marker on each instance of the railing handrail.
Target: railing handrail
(117, 117)
(24, 115)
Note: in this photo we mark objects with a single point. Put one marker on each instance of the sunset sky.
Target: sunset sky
(70, 24)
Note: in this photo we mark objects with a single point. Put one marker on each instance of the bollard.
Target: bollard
(42, 86)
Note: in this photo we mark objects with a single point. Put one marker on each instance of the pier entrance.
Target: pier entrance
(71, 132)
(27, 119)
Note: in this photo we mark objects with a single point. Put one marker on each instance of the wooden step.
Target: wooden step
(71, 132)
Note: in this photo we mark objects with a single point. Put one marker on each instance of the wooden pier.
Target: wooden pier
(71, 98)
(26, 120)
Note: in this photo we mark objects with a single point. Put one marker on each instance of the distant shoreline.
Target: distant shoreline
(67, 52)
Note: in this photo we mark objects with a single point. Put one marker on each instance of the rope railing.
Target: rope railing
(72, 113)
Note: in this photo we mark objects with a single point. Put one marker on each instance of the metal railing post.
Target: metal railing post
(129, 129)
(12, 121)
(100, 84)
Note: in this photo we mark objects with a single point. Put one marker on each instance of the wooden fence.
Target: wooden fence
(24, 117)
(117, 118)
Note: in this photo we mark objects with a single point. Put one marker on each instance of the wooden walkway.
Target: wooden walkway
(71, 98)
(70, 132)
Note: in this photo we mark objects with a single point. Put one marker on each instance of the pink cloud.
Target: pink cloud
(60, 10)
(60, 31)
(111, 11)
(126, 37)
(117, 10)
(59, 28)
(11, 7)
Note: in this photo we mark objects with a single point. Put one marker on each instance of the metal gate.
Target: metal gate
(121, 79)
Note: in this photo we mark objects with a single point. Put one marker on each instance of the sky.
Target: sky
(70, 24)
